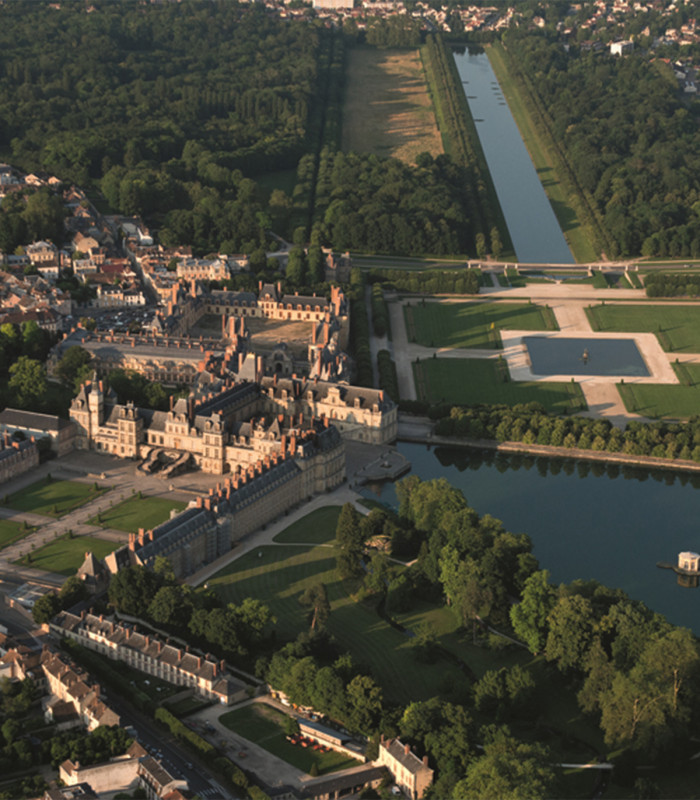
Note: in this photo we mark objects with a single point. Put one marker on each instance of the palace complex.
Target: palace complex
(272, 423)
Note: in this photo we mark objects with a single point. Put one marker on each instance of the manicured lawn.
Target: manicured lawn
(11, 532)
(148, 512)
(469, 381)
(280, 576)
(53, 498)
(665, 400)
(472, 325)
(65, 555)
(264, 726)
(318, 527)
(677, 327)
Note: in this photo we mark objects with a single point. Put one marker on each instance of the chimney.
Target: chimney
(406, 749)
(425, 761)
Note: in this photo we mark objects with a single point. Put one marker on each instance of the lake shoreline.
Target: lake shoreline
(565, 453)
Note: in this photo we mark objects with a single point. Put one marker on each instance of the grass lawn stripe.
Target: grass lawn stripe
(283, 573)
(46, 495)
(264, 726)
(12, 532)
(135, 513)
(65, 555)
(474, 325)
(663, 399)
(318, 527)
(676, 327)
(470, 381)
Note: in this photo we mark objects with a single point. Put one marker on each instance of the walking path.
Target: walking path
(261, 538)
(568, 303)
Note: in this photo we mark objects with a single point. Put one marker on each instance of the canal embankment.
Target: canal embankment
(573, 207)
(534, 229)
(420, 431)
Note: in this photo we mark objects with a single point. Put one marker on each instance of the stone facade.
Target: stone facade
(60, 431)
(411, 774)
(70, 684)
(16, 458)
(148, 653)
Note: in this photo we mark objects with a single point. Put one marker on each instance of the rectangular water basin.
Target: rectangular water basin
(582, 356)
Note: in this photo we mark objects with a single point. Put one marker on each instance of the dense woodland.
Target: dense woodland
(632, 673)
(624, 131)
(162, 107)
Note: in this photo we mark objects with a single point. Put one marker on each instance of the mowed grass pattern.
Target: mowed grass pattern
(665, 400)
(318, 527)
(677, 327)
(472, 325)
(263, 725)
(65, 555)
(148, 512)
(279, 577)
(469, 381)
(53, 498)
(11, 532)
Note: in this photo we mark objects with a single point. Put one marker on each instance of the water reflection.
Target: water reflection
(590, 520)
(532, 224)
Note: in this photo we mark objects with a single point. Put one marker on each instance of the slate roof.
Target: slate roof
(30, 419)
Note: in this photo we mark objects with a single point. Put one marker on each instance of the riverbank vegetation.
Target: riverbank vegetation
(461, 141)
(585, 683)
(558, 189)
(472, 325)
(531, 424)
(465, 381)
(627, 144)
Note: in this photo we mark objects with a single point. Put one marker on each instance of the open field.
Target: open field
(53, 498)
(318, 527)
(676, 327)
(472, 325)
(65, 555)
(269, 332)
(134, 513)
(264, 725)
(468, 381)
(387, 108)
(665, 400)
(11, 532)
(577, 236)
(280, 576)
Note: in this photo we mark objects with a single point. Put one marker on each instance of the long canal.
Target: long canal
(586, 520)
(532, 224)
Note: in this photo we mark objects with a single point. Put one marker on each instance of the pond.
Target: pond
(584, 356)
(532, 224)
(586, 520)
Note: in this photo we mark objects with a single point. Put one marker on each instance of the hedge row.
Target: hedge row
(531, 424)
(388, 379)
(667, 284)
(380, 311)
(180, 731)
(459, 132)
(432, 281)
(359, 331)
